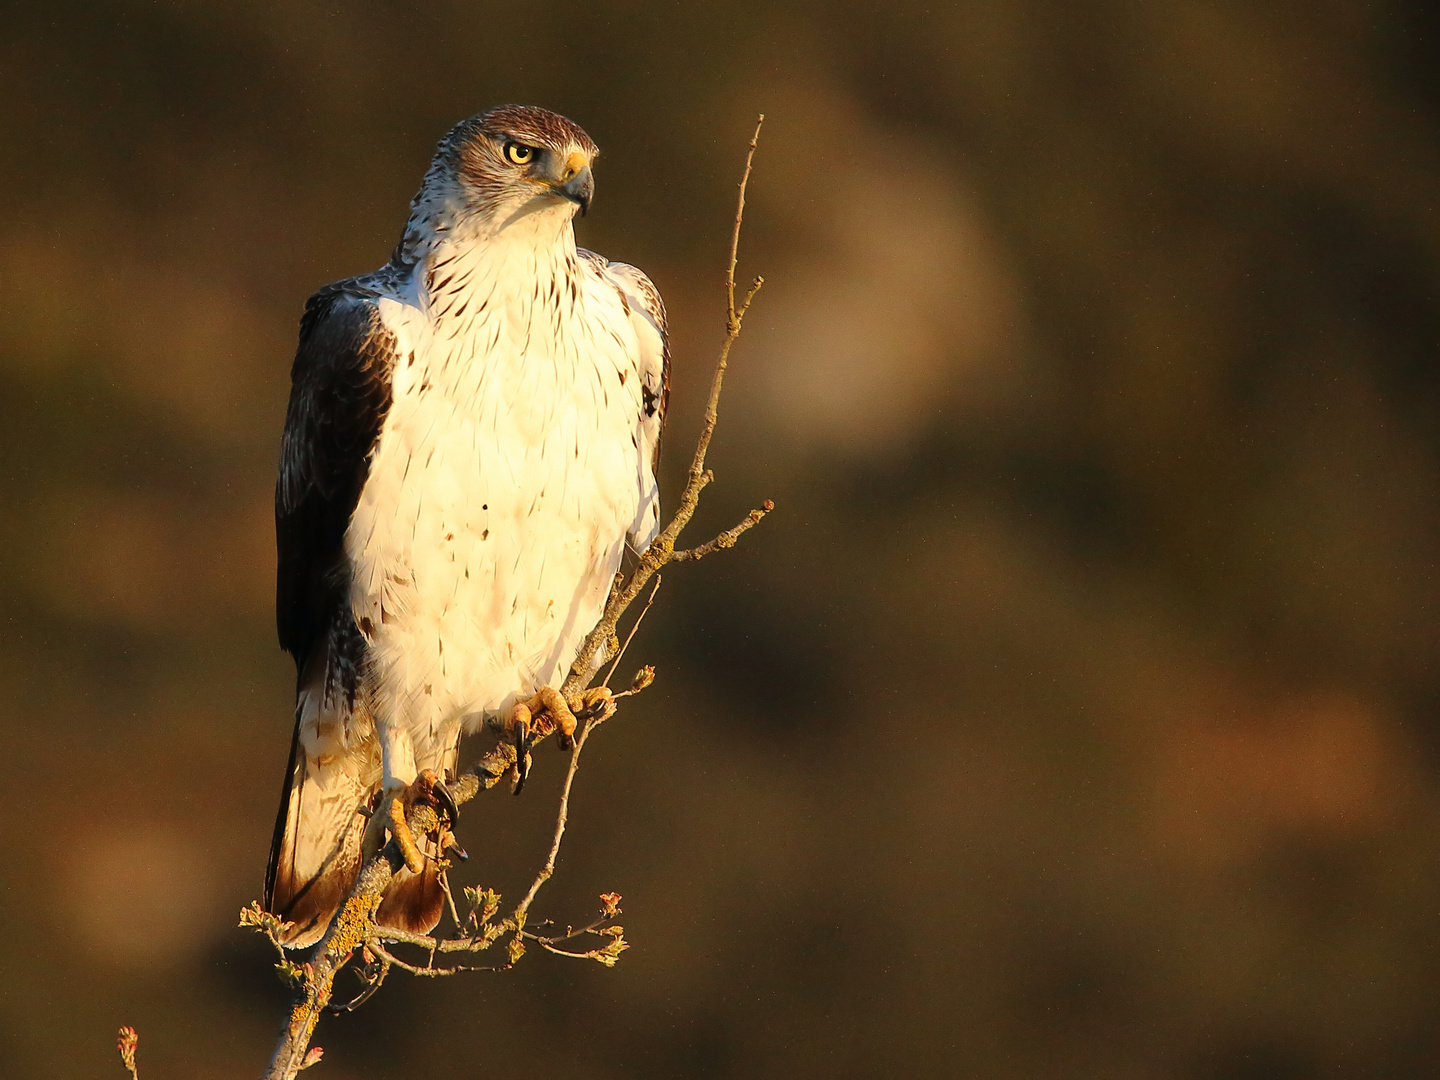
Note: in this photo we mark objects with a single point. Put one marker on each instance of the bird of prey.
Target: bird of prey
(470, 443)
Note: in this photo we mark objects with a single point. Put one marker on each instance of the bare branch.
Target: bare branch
(735, 235)
(373, 982)
(430, 971)
(449, 898)
(726, 539)
(631, 636)
(561, 818)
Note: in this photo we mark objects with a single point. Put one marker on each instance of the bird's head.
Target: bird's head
(509, 164)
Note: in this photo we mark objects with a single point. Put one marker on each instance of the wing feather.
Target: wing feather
(647, 316)
(340, 393)
(646, 312)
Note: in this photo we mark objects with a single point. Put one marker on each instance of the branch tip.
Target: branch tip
(128, 1041)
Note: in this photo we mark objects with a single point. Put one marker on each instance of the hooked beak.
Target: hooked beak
(579, 188)
(573, 180)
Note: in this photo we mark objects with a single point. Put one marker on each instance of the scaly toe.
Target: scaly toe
(401, 834)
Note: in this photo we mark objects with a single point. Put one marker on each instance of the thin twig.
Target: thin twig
(587, 955)
(569, 933)
(726, 539)
(372, 986)
(430, 971)
(449, 898)
(631, 636)
(739, 215)
(561, 818)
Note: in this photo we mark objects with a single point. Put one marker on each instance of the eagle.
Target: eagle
(470, 445)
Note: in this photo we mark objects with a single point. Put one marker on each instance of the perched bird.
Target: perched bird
(470, 443)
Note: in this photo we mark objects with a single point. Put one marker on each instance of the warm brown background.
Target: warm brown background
(1074, 716)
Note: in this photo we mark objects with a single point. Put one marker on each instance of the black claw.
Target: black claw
(565, 742)
(522, 756)
(447, 802)
(460, 852)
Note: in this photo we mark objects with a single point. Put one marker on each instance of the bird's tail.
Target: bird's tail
(315, 853)
(413, 902)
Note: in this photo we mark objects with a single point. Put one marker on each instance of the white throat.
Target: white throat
(524, 266)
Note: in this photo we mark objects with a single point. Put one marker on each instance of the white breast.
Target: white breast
(508, 472)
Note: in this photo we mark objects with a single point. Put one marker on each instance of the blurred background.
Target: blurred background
(1077, 713)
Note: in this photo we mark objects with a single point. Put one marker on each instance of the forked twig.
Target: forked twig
(561, 818)
(634, 627)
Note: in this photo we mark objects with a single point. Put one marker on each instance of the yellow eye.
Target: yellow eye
(519, 154)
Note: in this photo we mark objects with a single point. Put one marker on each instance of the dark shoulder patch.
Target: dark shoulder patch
(340, 393)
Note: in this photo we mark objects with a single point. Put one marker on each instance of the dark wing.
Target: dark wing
(339, 395)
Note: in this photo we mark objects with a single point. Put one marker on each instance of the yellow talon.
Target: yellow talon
(400, 830)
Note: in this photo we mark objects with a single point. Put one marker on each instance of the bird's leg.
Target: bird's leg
(598, 703)
(450, 791)
(541, 714)
(400, 828)
(549, 711)
(395, 802)
(446, 802)
(549, 701)
(379, 823)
